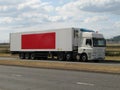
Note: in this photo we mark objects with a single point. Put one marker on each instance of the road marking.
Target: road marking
(17, 75)
(87, 84)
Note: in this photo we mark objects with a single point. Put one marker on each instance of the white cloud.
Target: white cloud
(99, 5)
(48, 8)
(69, 9)
(25, 12)
(25, 15)
(55, 18)
(96, 19)
(35, 4)
(117, 24)
(29, 3)
(3, 8)
(6, 20)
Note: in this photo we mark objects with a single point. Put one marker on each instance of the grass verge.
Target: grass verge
(114, 58)
(64, 66)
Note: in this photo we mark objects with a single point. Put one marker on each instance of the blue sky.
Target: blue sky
(34, 15)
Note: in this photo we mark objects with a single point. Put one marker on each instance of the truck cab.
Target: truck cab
(91, 45)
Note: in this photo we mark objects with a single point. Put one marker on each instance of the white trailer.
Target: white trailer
(64, 44)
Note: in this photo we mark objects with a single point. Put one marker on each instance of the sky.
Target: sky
(34, 15)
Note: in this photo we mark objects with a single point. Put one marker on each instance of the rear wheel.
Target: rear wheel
(32, 56)
(60, 56)
(27, 55)
(68, 56)
(84, 58)
(21, 55)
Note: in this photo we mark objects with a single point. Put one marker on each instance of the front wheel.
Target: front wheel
(84, 58)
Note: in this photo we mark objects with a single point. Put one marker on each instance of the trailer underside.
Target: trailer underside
(53, 55)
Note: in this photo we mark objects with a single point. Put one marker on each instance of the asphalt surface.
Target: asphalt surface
(22, 78)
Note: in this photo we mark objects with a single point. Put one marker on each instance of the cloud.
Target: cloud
(37, 11)
(117, 24)
(99, 5)
(96, 19)
(25, 12)
(30, 3)
(34, 5)
(3, 8)
(25, 15)
(6, 20)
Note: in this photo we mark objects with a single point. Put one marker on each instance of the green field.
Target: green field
(113, 50)
(4, 48)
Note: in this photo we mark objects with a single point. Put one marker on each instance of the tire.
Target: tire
(60, 56)
(21, 55)
(27, 55)
(84, 58)
(32, 56)
(77, 57)
(68, 57)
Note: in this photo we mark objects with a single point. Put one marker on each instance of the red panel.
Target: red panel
(38, 41)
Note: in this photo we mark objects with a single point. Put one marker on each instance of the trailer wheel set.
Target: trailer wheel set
(59, 56)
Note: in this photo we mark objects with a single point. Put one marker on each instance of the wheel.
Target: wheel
(32, 56)
(60, 56)
(27, 56)
(22, 56)
(68, 56)
(78, 57)
(84, 58)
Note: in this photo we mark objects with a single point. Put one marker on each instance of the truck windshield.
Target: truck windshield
(99, 42)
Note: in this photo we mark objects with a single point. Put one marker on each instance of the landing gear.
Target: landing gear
(50, 56)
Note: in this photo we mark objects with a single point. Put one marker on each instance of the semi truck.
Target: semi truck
(62, 44)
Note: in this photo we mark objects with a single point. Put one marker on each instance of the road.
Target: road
(106, 62)
(23, 78)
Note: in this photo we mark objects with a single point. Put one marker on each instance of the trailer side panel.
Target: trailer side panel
(39, 41)
(51, 40)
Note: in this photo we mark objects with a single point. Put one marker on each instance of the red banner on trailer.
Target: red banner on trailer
(39, 41)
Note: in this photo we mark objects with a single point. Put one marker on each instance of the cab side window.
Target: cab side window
(88, 42)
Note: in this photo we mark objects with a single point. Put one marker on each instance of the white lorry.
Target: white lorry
(63, 44)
